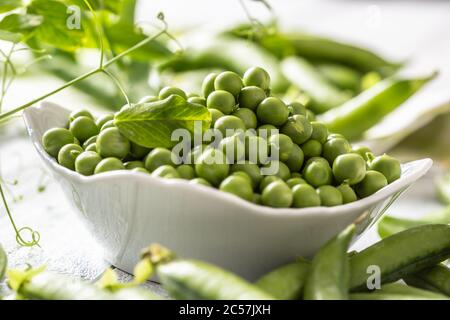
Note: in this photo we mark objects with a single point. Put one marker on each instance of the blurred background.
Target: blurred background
(407, 40)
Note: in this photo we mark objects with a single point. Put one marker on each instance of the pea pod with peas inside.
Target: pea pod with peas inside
(193, 279)
(435, 279)
(351, 118)
(401, 254)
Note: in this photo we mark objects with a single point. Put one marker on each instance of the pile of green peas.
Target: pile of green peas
(315, 167)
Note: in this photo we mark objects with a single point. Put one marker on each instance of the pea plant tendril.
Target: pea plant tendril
(8, 67)
(257, 26)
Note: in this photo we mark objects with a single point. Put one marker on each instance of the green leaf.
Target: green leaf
(54, 29)
(123, 36)
(8, 5)
(151, 124)
(15, 27)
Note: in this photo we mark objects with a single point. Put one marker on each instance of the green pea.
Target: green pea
(212, 166)
(200, 181)
(89, 141)
(242, 174)
(335, 147)
(295, 159)
(228, 81)
(282, 145)
(282, 171)
(348, 194)
(257, 77)
(186, 172)
(266, 130)
(349, 167)
(295, 181)
(251, 169)
(107, 125)
(362, 151)
(166, 171)
(103, 119)
(111, 143)
(238, 186)
(233, 148)
(272, 111)
(296, 175)
(83, 128)
(208, 84)
(305, 196)
(86, 162)
(229, 125)
(197, 100)
(142, 170)
(317, 172)
(109, 164)
(91, 147)
(297, 108)
(266, 181)
(277, 194)
(372, 182)
(215, 115)
(312, 148)
(168, 91)
(130, 165)
(137, 151)
(148, 99)
(80, 113)
(298, 128)
(68, 154)
(222, 101)
(256, 149)
(54, 139)
(159, 157)
(329, 196)
(251, 97)
(388, 166)
(248, 117)
(334, 136)
(319, 131)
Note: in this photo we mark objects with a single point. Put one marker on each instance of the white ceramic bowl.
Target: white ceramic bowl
(126, 211)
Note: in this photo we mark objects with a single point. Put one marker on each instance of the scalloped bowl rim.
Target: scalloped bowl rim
(420, 169)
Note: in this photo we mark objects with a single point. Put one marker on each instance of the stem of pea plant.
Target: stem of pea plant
(86, 75)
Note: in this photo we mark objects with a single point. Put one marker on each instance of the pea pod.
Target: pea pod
(3, 262)
(396, 291)
(329, 275)
(220, 53)
(286, 282)
(360, 113)
(435, 279)
(39, 285)
(322, 49)
(341, 76)
(191, 279)
(389, 225)
(324, 96)
(401, 254)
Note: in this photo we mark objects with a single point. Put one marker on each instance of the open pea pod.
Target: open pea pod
(328, 278)
(396, 291)
(435, 279)
(401, 254)
(362, 112)
(286, 282)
